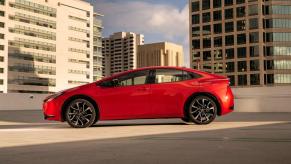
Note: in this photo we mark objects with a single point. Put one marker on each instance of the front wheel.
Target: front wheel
(202, 110)
(80, 113)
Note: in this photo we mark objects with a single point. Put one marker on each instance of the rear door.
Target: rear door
(169, 91)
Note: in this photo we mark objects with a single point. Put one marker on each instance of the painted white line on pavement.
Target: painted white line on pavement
(55, 134)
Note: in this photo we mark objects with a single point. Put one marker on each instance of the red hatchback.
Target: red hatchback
(154, 92)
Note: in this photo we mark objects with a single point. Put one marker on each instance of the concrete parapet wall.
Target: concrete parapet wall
(263, 99)
(255, 99)
(21, 101)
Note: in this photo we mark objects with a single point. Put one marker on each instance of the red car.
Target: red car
(154, 92)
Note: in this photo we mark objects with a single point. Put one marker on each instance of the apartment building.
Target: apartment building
(249, 41)
(160, 54)
(97, 47)
(45, 45)
(120, 52)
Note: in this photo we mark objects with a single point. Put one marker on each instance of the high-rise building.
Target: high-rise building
(245, 40)
(97, 47)
(120, 51)
(160, 54)
(45, 45)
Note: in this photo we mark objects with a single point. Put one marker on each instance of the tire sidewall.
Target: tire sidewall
(191, 117)
(90, 123)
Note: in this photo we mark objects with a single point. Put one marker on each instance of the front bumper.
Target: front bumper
(52, 110)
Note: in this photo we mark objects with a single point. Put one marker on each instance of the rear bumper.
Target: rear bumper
(227, 104)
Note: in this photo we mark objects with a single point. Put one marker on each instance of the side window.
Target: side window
(173, 75)
(136, 78)
(190, 75)
(168, 75)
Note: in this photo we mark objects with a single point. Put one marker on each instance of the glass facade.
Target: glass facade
(241, 42)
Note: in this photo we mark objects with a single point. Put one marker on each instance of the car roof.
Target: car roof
(156, 67)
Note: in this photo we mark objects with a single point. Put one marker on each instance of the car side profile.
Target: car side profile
(146, 93)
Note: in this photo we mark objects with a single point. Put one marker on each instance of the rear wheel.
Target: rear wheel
(80, 113)
(202, 110)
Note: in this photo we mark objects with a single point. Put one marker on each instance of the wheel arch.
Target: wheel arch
(188, 101)
(72, 98)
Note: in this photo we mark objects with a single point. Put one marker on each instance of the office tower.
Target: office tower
(120, 52)
(245, 40)
(45, 45)
(160, 54)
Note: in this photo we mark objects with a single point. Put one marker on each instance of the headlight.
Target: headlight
(51, 97)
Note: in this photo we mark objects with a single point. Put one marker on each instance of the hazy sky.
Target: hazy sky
(158, 20)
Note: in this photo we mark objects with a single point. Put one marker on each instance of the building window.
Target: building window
(241, 25)
(218, 41)
(255, 79)
(206, 30)
(2, 36)
(216, 3)
(228, 13)
(195, 6)
(205, 4)
(240, 1)
(253, 10)
(229, 27)
(253, 23)
(277, 51)
(1, 59)
(206, 42)
(241, 38)
(242, 80)
(241, 52)
(196, 44)
(206, 17)
(268, 64)
(228, 2)
(242, 66)
(2, 24)
(277, 23)
(195, 19)
(278, 9)
(217, 16)
(254, 51)
(282, 78)
(229, 66)
(2, 13)
(278, 37)
(195, 31)
(254, 37)
(229, 40)
(207, 56)
(231, 80)
(1, 70)
(229, 53)
(2, 47)
(2, 2)
(217, 54)
(1, 83)
(217, 28)
(254, 65)
(269, 79)
(240, 12)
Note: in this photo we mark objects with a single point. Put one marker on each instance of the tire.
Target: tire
(186, 120)
(80, 113)
(202, 110)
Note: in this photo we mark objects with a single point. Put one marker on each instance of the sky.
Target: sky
(157, 20)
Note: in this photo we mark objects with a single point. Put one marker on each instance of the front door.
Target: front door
(128, 98)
